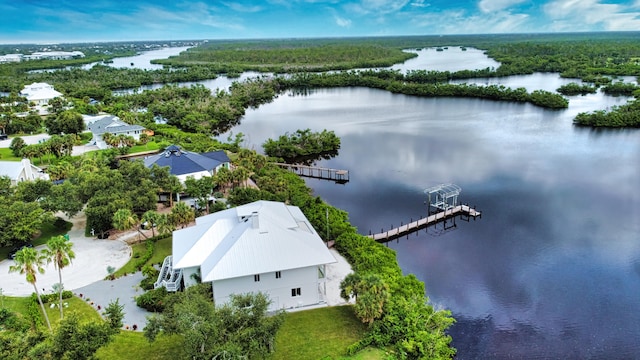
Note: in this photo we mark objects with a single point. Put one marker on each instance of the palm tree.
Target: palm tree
(151, 218)
(28, 261)
(182, 214)
(164, 225)
(124, 219)
(60, 253)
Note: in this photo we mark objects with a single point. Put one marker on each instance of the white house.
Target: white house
(184, 164)
(265, 246)
(23, 170)
(39, 93)
(113, 124)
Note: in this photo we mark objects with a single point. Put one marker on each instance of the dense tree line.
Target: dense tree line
(619, 116)
(380, 80)
(285, 59)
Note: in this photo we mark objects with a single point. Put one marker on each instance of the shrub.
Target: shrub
(146, 256)
(66, 294)
(153, 300)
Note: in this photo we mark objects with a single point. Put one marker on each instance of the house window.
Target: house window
(295, 292)
(256, 277)
(278, 274)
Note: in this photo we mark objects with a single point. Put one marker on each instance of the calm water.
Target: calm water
(451, 59)
(143, 60)
(552, 270)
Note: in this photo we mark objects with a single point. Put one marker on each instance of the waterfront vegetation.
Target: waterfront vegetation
(627, 115)
(303, 145)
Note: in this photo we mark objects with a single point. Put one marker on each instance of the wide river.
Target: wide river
(552, 269)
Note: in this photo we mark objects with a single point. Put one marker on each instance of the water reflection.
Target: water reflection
(551, 269)
(451, 59)
(143, 59)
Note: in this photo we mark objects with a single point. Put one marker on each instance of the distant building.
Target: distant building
(55, 55)
(19, 171)
(43, 55)
(11, 58)
(39, 93)
(185, 164)
(264, 246)
(113, 124)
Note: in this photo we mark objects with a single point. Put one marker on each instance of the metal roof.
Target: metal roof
(444, 190)
(112, 124)
(256, 238)
(182, 162)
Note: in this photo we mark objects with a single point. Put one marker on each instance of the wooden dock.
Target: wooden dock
(424, 222)
(337, 175)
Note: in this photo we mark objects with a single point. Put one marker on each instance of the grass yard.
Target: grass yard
(150, 146)
(85, 312)
(323, 333)
(161, 250)
(133, 345)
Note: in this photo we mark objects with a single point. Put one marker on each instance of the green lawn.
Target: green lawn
(323, 333)
(133, 345)
(85, 312)
(162, 249)
(151, 145)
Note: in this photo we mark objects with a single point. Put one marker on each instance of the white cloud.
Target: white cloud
(342, 22)
(421, 4)
(488, 6)
(460, 22)
(242, 8)
(584, 15)
(377, 7)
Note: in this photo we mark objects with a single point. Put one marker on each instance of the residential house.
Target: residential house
(23, 170)
(113, 124)
(39, 93)
(185, 164)
(264, 246)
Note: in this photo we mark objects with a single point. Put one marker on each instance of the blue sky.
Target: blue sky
(43, 21)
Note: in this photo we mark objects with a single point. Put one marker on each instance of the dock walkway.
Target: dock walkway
(337, 175)
(424, 222)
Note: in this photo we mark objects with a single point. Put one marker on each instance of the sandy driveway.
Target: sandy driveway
(90, 265)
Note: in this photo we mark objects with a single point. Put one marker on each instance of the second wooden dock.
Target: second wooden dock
(337, 175)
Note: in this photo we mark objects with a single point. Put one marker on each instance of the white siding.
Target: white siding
(186, 275)
(278, 290)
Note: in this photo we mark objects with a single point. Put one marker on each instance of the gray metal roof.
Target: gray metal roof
(112, 124)
(256, 238)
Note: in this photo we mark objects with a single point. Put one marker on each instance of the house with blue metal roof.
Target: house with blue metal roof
(184, 164)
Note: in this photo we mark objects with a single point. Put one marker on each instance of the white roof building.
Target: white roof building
(22, 170)
(264, 246)
(39, 93)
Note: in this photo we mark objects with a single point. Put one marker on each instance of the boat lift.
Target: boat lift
(443, 197)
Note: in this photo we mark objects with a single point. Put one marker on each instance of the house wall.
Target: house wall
(278, 290)
(186, 275)
(195, 176)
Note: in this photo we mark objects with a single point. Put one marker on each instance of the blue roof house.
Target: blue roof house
(183, 163)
